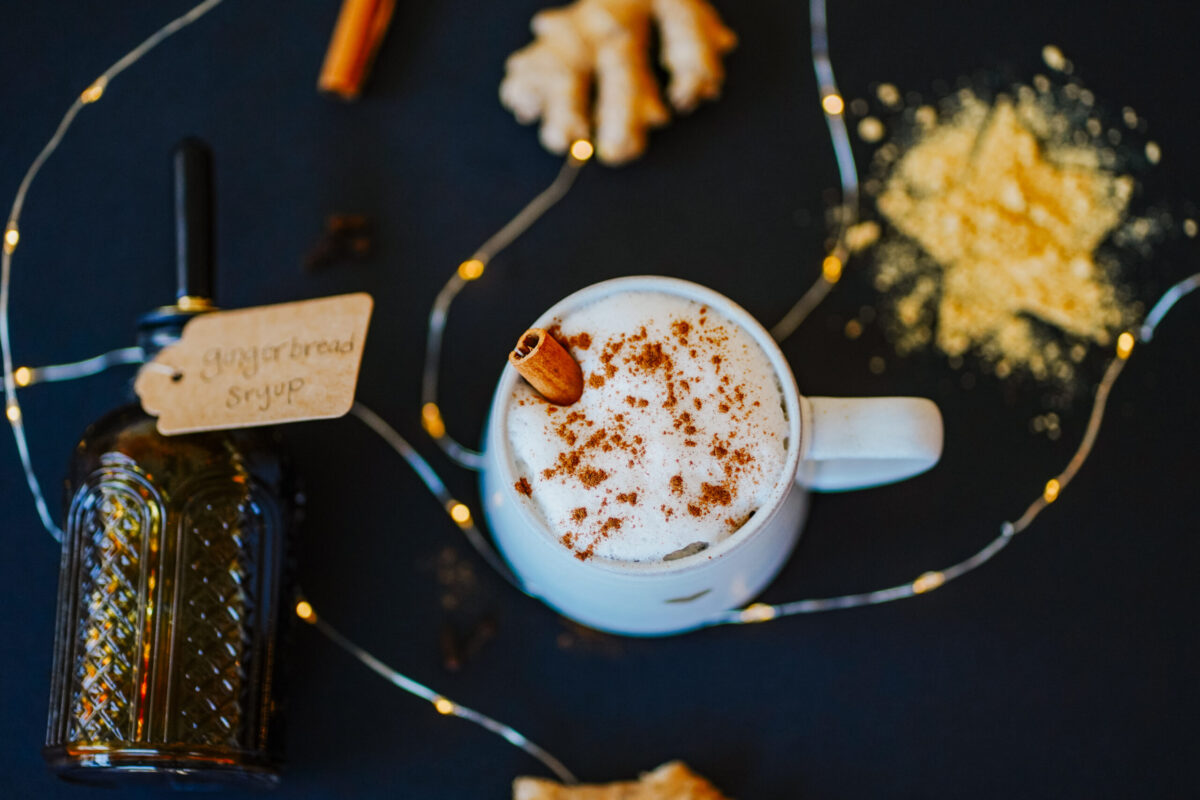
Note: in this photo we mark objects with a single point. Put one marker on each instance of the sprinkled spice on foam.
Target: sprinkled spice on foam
(581, 438)
(580, 341)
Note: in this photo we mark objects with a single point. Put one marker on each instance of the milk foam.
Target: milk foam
(679, 437)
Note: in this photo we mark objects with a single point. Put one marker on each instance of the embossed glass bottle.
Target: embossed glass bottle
(171, 598)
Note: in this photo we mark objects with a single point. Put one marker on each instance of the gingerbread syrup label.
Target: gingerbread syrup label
(259, 366)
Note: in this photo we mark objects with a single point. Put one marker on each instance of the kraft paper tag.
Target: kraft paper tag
(259, 366)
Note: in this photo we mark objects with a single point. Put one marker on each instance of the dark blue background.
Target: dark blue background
(1064, 668)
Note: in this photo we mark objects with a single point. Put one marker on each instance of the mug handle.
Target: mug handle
(859, 442)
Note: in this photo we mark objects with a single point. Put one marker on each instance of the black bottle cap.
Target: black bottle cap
(192, 169)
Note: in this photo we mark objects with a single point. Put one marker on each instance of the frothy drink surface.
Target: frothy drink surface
(678, 438)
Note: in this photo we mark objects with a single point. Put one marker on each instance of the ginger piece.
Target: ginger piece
(671, 781)
(607, 40)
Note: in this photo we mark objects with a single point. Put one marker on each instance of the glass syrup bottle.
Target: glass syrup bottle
(173, 589)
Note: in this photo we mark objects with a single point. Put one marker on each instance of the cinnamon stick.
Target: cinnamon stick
(548, 367)
(359, 31)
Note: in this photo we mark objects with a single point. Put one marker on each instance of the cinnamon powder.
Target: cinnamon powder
(581, 437)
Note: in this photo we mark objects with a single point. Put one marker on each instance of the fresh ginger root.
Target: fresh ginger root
(671, 781)
(551, 78)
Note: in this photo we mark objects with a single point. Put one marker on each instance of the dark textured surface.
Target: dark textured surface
(1065, 668)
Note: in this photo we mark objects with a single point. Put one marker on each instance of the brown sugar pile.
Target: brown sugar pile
(1002, 211)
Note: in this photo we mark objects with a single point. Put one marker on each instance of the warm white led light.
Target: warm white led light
(833, 104)
(460, 514)
(582, 150)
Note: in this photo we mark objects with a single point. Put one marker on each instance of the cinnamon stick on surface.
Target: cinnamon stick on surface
(359, 31)
(548, 367)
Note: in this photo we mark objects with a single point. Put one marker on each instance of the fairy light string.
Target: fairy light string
(12, 237)
(472, 269)
(847, 214)
(441, 704)
(28, 376)
(458, 511)
(847, 211)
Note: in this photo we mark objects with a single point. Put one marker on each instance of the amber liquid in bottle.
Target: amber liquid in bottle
(173, 589)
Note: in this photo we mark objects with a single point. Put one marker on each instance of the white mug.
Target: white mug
(833, 444)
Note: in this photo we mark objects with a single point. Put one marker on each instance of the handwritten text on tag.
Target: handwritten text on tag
(259, 366)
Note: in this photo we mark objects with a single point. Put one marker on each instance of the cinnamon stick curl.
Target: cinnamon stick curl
(359, 31)
(548, 367)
